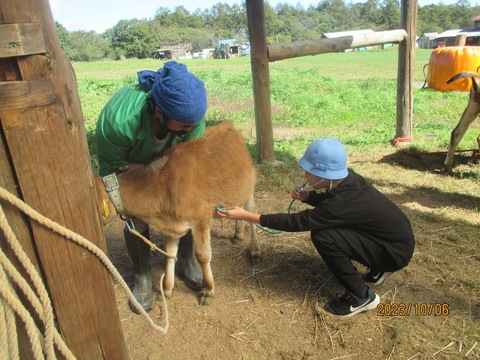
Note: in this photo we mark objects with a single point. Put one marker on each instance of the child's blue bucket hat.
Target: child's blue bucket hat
(325, 158)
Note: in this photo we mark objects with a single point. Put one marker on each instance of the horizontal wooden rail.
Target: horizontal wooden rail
(16, 95)
(21, 39)
(321, 46)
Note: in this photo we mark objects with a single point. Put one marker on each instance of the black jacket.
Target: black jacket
(356, 205)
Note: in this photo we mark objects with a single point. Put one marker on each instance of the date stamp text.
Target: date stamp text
(413, 309)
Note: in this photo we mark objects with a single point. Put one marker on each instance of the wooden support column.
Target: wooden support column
(261, 79)
(406, 66)
(460, 40)
(44, 160)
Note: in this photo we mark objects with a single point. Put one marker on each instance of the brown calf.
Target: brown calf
(470, 113)
(179, 191)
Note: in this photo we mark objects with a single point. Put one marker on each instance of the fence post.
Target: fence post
(261, 79)
(406, 66)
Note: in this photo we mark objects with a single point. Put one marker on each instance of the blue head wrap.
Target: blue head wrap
(178, 93)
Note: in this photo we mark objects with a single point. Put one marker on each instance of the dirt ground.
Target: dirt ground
(274, 309)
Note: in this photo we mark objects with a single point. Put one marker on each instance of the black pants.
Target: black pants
(338, 247)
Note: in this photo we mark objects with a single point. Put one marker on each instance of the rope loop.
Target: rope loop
(43, 343)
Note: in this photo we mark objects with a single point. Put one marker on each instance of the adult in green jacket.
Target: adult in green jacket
(139, 122)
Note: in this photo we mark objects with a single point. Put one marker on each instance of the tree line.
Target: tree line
(139, 38)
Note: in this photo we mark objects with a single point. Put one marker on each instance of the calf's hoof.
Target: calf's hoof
(167, 287)
(205, 298)
(237, 238)
(254, 256)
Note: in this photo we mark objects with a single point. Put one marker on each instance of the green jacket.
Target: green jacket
(124, 134)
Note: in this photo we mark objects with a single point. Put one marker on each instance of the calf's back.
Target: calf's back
(192, 178)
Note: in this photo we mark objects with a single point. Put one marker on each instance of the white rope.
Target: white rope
(8, 332)
(42, 306)
(10, 303)
(10, 299)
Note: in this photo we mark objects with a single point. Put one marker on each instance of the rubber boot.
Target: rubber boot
(139, 252)
(186, 266)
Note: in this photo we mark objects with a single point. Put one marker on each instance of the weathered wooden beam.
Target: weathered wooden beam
(21, 39)
(44, 149)
(16, 95)
(321, 46)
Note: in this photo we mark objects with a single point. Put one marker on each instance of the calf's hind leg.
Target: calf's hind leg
(254, 249)
(254, 246)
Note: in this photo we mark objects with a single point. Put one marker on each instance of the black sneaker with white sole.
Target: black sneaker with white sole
(376, 277)
(348, 304)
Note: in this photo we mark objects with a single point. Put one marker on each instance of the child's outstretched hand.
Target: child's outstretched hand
(232, 213)
(238, 213)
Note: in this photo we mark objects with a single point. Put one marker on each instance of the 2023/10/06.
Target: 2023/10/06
(415, 309)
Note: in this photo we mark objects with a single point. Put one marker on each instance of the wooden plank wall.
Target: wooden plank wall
(44, 160)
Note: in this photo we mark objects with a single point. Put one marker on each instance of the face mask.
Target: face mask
(173, 132)
(318, 182)
(329, 186)
(177, 133)
(164, 125)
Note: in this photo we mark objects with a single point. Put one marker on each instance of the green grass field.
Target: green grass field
(349, 96)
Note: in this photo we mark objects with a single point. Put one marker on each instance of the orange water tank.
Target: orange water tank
(445, 62)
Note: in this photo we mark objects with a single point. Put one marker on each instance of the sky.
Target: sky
(99, 15)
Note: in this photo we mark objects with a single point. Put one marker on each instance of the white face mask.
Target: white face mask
(318, 182)
(330, 185)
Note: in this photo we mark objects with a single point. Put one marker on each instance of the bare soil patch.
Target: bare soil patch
(274, 308)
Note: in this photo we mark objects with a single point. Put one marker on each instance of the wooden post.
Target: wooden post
(261, 79)
(44, 160)
(460, 40)
(406, 65)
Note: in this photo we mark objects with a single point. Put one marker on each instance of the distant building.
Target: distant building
(173, 51)
(427, 40)
(476, 21)
(448, 38)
